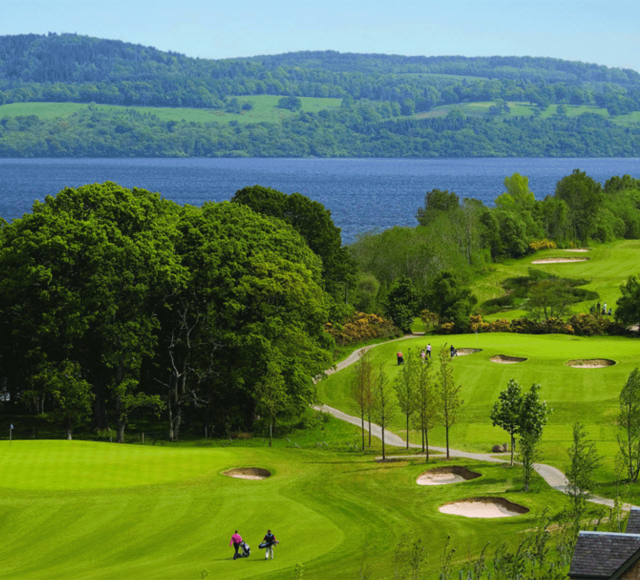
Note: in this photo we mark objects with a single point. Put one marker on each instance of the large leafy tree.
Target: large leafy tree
(402, 303)
(448, 298)
(313, 222)
(628, 305)
(584, 198)
(82, 279)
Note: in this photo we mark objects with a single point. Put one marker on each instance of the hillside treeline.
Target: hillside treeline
(363, 129)
(403, 271)
(117, 305)
(72, 68)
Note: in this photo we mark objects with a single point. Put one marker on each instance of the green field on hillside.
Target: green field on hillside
(264, 110)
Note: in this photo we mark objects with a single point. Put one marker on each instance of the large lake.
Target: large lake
(362, 194)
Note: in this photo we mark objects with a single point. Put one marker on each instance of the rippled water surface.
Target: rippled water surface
(362, 194)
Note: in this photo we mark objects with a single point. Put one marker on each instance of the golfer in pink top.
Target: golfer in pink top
(236, 540)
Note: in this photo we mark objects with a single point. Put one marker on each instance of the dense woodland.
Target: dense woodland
(121, 307)
(379, 93)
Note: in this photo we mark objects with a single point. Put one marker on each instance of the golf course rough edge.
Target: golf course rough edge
(559, 260)
(248, 473)
(466, 351)
(483, 507)
(504, 359)
(591, 363)
(446, 475)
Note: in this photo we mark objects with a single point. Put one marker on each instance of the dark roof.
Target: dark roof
(633, 524)
(604, 555)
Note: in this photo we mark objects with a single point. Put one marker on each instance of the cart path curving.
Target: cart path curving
(553, 476)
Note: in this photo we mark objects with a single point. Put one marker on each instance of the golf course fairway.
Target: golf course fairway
(72, 509)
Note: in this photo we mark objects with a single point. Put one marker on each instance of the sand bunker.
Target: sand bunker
(577, 250)
(503, 359)
(483, 507)
(465, 351)
(445, 475)
(591, 363)
(559, 260)
(248, 473)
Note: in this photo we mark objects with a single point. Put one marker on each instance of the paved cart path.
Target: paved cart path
(553, 476)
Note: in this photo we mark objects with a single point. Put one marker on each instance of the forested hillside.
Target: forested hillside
(383, 101)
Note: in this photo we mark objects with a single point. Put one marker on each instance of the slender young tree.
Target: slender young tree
(533, 417)
(583, 461)
(507, 410)
(629, 425)
(361, 386)
(271, 395)
(384, 406)
(406, 386)
(448, 394)
(427, 413)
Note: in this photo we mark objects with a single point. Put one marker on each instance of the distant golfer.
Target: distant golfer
(269, 541)
(400, 358)
(235, 542)
(429, 350)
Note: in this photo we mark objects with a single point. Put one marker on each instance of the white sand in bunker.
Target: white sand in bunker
(483, 507)
(466, 351)
(577, 250)
(248, 473)
(559, 260)
(446, 475)
(503, 359)
(591, 363)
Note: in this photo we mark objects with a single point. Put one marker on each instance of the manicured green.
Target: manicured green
(100, 511)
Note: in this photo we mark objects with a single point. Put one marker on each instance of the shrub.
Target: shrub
(543, 244)
(362, 327)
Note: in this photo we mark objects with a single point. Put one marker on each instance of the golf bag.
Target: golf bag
(245, 551)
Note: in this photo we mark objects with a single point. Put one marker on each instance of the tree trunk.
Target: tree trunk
(362, 419)
(426, 437)
(270, 430)
(513, 441)
(407, 432)
(369, 419)
(383, 455)
(447, 434)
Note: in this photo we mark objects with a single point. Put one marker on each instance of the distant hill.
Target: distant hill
(397, 99)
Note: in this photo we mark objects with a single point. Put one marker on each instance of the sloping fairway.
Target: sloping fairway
(609, 265)
(575, 394)
(104, 511)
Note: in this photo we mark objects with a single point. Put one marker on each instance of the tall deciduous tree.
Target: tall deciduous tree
(628, 305)
(385, 404)
(402, 303)
(584, 198)
(629, 425)
(507, 411)
(448, 394)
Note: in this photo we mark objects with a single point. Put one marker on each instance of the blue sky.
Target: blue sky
(589, 31)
